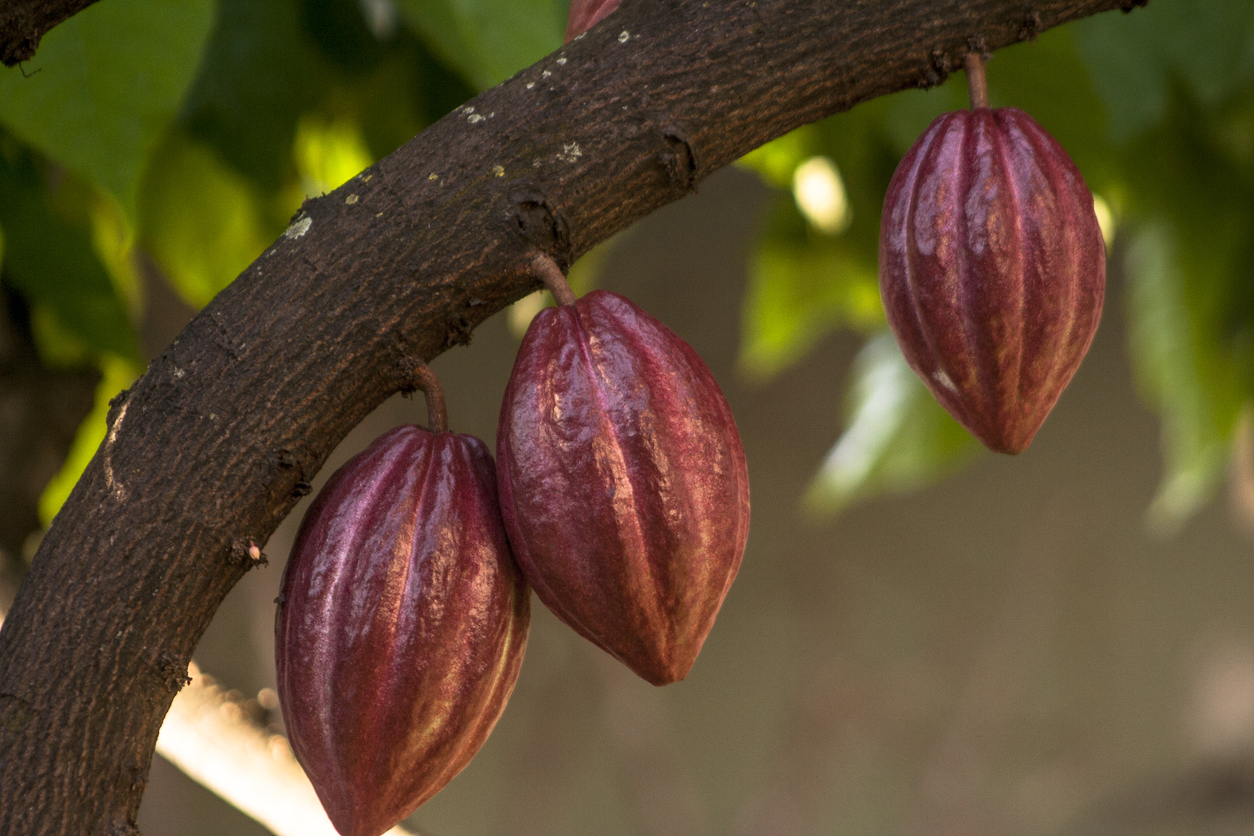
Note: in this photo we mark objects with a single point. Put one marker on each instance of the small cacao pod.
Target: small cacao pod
(584, 14)
(623, 482)
(402, 626)
(992, 270)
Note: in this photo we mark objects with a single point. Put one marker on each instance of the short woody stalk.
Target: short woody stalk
(977, 86)
(437, 412)
(553, 279)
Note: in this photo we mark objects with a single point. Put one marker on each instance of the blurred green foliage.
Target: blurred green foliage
(897, 437)
(1157, 110)
(190, 131)
(487, 41)
(105, 84)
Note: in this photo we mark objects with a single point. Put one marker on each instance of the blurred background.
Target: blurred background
(924, 638)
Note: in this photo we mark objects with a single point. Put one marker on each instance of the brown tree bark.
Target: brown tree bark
(23, 23)
(209, 450)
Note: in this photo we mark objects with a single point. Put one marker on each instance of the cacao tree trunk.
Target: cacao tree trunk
(211, 448)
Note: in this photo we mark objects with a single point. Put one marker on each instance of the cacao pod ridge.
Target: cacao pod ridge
(402, 626)
(623, 482)
(992, 270)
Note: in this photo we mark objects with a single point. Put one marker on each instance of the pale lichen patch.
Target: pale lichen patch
(351, 199)
(498, 171)
(624, 36)
(570, 152)
(433, 176)
(531, 85)
(475, 118)
(545, 74)
(298, 229)
(114, 484)
(561, 62)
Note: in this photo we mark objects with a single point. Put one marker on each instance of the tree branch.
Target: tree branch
(211, 448)
(23, 23)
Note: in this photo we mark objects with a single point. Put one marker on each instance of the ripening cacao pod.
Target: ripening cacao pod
(623, 482)
(584, 14)
(401, 628)
(992, 270)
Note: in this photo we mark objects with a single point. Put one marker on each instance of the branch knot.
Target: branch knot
(679, 159)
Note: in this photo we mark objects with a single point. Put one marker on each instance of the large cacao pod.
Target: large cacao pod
(623, 482)
(992, 270)
(401, 628)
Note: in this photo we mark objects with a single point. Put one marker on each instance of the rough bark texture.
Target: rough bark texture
(24, 22)
(210, 449)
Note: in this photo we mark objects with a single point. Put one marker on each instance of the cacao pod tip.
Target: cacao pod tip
(623, 482)
(403, 626)
(992, 270)
(584, 14)
(666, 672)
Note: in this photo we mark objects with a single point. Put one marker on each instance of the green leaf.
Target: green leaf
(487, 41)
(200, 220)
(1193, 380)
(897, 437)
(117, 375)
(808, 278)
(329, 152)
(104, 85)
(776, 161)
(259, 74)
(280, 73)
(404, 94)
(53, 254)
(798, 293)
(1189, 187)
(1048, 79)
(1134, 59)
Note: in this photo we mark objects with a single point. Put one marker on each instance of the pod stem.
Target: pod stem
(437, 412)
(553, 279)
(976, 84)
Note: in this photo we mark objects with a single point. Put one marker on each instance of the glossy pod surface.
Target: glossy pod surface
(623, 482)
(992, 270)
(402, 626)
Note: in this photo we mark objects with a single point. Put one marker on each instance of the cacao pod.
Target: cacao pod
(401, 628)
(584, 14)
(623, 482)
(992, 270)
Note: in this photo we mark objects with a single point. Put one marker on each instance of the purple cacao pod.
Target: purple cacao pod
(402, 626)
(584, 14)
(992, 270)
(623, 482)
